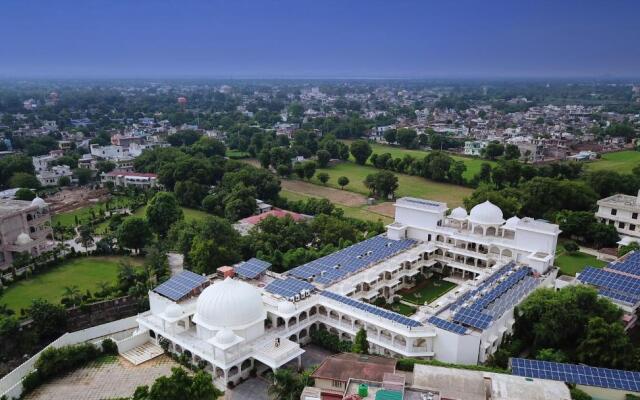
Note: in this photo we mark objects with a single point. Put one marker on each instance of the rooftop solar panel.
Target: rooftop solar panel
(473, 318)
(622, 284)
(288, 287)
(377, 311)
(578, 374)
(447, 326)
(252, 268)
(178, 286)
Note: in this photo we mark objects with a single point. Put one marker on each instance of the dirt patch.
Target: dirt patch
(385, 208)
(71, 199)
(337, 196)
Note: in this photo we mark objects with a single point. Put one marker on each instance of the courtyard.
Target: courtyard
(427, 291)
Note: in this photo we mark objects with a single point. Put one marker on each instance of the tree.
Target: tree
(493, 150)
(323, 177)
(309, 169)
(83, 175)
(406, 137)
(178, 386)
(85, 236)
(606, 344)
(343, 181)
(24, 180)
(390, 136)
(105, 166)
(511, 152)
(382, 184)
(66, 181)
(360, 344)
(633, 246)
(190, 193)
(323, 158)
(49, 320)
(570, 246)
(298, 169)
(133, 233)
(162, 212)
(25, 194)
(360, 150)
(288, 385)
(603, 235)
(209, 147)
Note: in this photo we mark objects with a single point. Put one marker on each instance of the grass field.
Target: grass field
(352, 212)
(427, 292)
(570, 264)
(620, 161)
(408, 185)
(190, 214)
(236, 154)
(69, 218)
(401, 309)
(85, 273)
(472, 164)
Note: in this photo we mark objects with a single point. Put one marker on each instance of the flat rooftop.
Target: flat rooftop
(621, 200)
(421, 203)
(11, 206)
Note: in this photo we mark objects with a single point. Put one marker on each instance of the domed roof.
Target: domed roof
(458, 213)
(286, 307)
(173, 311)
(225, 336)
(23, 239)
(511, 223)
(486, 213)
(37, 201)
(230, 303)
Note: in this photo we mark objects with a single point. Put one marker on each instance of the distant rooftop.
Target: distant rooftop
(11, 206)
(421, 203)
(623, 200)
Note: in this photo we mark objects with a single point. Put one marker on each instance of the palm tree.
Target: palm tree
(284, 385)
(72, 293)
(85, 236)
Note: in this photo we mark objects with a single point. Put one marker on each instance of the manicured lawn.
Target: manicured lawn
(190, 214)
(351, 212)
(620, 161)
(85, 273)
(402, 309)
(473, 164)
(427, 291)
(69, 218)
(570, 264)
(414, 186)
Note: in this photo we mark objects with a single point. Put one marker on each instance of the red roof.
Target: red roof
(343, 366)
(276, 212)
(125, 173)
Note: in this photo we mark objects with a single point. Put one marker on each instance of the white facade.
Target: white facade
(52, 177)
(621, 211)
(474, 147)
(234, 325)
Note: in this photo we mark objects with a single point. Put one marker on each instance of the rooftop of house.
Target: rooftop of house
(619, 200)
(11, 206)
(345, 366)
(278, 213)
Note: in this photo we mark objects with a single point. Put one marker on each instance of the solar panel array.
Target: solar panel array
(473, 318)
(288, 287)
(512, 297)
(577, 374)
(447, 326)
(377, 311)
(500, 289)
(355, 258)
(630, 264)
(486, 283)
(622, 284)
(177, 287)
(252, 268)
(628, 299)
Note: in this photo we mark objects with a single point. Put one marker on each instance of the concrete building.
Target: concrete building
(25, 226)
(475, 147)
(52, 176)
(621, 211)
(232, 325)
(125, 179)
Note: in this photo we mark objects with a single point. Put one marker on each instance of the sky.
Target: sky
(319, 38)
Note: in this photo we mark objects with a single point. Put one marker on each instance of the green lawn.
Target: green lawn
(427, 292)
(351, 212)
(85, 273)
(570, 264)
(414, 186)
(69, 218)
(190, 214)
(402, 309)
(620, 161)
(473, 164)
(236, 154)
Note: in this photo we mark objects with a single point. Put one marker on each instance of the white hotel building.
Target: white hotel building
(260, 319)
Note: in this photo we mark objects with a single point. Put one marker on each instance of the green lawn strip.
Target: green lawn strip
(472, 164)
(351, 212)
(426, 292)
(408, 185)
(570, 264)
(400, 308)
(620, 161)
(84, 272)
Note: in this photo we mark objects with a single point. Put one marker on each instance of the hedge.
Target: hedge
(407, 364)
(330, 341)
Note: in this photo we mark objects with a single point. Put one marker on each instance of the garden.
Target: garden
(426, 291)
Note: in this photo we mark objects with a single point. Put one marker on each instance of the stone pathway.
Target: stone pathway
(103, 381)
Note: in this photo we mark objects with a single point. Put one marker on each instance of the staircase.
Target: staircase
(143, 353)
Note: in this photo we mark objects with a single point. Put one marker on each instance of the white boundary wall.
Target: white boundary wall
(11, 384)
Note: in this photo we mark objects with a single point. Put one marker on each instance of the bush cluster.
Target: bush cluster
(330, 341)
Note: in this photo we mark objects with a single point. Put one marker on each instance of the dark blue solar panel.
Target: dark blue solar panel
(180, 285)
(630, 264)
(577, 374)
(336, 266)
(288, 287)
(473, 318)
(631, 300)
(252, 268)
(500, 289)
(622, 284)
(448, 326)
(380, 312)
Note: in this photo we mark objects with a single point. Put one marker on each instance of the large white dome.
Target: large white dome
(37, 201)
(230, 303)
(458, 213)
(486, 213)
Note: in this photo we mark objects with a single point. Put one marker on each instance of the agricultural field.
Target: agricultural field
(85, 273)
(473, 164)
(570, 264)
(621, 161)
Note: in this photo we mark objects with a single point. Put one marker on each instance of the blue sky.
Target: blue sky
(321, 38)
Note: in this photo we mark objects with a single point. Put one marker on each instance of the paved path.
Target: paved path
(592, 252)
(104, 381)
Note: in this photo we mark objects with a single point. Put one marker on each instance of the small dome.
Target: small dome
(23, 239)
(286, 307)
(511, 223)
(229, 303)
(458, 213)
(486, 213)
(225, 336)
(173, 311)
(37, 201)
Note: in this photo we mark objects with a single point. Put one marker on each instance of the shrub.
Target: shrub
(407, 364)
(109, 347)
(330, 341)
(570, 246)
